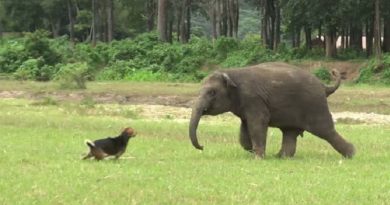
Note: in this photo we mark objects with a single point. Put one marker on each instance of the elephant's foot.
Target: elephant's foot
(259, 152)
(341, 145)
(289, 142)
(286, 153)
(349, 151)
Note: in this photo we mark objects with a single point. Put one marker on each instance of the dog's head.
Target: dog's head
(128, 131)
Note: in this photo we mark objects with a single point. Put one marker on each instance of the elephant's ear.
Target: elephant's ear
(228, 80)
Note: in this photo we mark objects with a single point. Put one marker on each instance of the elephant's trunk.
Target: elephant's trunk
(195, 117)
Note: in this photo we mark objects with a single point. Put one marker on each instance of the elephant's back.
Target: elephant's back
(276, 75)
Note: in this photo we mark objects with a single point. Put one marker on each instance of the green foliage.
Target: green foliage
(144, 58)
(350, 53)
(376, 72)
(12, 56)
(73, 75)
(34, 69)
(323, 74)
(37, 45)
(249, 51)
(223, 45)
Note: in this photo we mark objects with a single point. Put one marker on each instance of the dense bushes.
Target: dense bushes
(323, 74)
(376, 72)
(144, 58)
(30, 58)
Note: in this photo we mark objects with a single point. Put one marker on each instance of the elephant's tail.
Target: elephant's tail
(331, 89)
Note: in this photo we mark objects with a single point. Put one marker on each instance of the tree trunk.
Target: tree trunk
(224, 18)
(308, 37)
(356, 36)
(150, 13)
(277, 25)
(369, 37)
(179, 19)
(55, 27)
(94, 22)
(103, 26)
(71, 21)
(386, 35)
(330, 42)
(1, 30)
(233, 17)
(377, 32)
(296, 38)
(214, 22)
(218, 18)
(110, 20)
(170, 30)
(343, 38)
(185, 21)
(348, 39)
(162, 20)
(189, 20)
(264, 23)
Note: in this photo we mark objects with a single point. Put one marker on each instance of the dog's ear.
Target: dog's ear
(129, 131)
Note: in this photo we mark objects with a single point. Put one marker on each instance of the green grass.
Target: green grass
(41, 147)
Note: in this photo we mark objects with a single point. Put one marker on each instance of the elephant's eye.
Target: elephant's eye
(211, 92)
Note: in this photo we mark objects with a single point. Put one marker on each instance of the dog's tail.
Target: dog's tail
(90, 143)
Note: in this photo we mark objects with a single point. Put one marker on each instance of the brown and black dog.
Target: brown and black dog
(110, 146)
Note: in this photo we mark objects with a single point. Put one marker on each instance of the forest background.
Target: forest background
(183, 40)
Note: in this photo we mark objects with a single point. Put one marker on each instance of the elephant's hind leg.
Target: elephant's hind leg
(245, 139)
(336, 140)
(289, 142)
(340, 144)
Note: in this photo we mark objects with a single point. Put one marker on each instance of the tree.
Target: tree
(150, 13)
(110, 20)
(162, 25)
(1, 29)
(54, 15)
(377, 31)
(71, 20)
(184, 21)
(95, 22)
(386, 25)
(22, 19)
(386, 35)
(270, 23)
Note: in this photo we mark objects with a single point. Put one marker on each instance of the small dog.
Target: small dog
(109, 146)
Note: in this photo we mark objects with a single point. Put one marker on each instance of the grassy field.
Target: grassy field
(42, 143)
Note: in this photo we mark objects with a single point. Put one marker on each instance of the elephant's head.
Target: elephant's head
(214, 98)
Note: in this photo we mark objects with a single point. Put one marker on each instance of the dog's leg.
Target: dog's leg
(119, 154)
(89, 155)
(98, 154)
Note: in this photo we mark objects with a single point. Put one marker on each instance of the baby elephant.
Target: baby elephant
(110, 146)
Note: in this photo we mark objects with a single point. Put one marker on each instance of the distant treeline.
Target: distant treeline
(297, 23)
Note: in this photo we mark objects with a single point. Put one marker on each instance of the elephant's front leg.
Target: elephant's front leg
(289, 142)
(245, 139)
(257, 128)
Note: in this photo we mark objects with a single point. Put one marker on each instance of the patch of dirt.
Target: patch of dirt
(170, 107)
(168, 100)
(359, 117)
(348, 70)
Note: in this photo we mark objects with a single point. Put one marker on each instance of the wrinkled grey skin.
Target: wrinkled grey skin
(270, 94)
